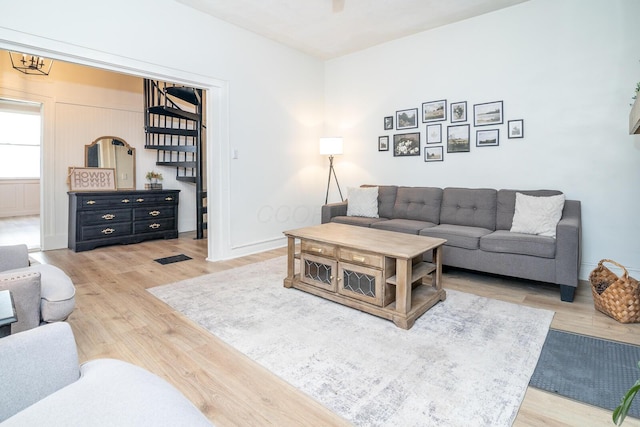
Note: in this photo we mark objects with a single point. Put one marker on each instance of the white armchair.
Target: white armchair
(43, 384)
(42, 293)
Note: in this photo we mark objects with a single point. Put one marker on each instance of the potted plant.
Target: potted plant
(153, 177)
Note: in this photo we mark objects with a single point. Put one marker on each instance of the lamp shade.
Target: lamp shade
(330, 146)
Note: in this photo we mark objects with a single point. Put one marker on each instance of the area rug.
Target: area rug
(590, 370)
(467, 361)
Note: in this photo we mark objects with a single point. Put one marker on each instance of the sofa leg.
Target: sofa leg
(567, 293)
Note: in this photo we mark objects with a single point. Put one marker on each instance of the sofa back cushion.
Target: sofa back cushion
(474, 207)
(386, 199)
(507, 205)
(418, 203)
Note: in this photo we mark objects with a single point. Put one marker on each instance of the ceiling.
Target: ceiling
(330, 28)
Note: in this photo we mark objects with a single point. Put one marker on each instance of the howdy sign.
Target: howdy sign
(92, 179)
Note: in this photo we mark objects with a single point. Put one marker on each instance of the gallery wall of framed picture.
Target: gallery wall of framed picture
(447, 125)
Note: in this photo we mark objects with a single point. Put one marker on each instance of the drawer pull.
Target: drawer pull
(108, 216)
(318, 250)
(154, 225)
(358, 258)
(108, 231)
(154, 213)
(140, 200)
(168, 198)
(125, 200)
(91, 202)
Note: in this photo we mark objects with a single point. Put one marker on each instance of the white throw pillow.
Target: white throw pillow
(363, 202)
(537, 215)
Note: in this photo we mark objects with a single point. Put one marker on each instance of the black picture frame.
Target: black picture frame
(458, 112)
(434, 111)
(434, 133)
(433, 154)
(407, 119)
(406, 144)
(458, 139)
(388, 123)
(383, 143)
(487, 137)
(488, 113)
(515, 129)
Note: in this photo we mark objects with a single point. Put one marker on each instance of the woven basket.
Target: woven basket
(617, 297)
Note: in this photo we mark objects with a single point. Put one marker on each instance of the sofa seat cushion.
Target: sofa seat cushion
(357, 220)
(408, 226)
(56, 290)
(518, 243)
(460, 236)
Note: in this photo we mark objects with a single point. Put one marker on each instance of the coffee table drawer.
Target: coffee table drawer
(318, 248)
(360, 257)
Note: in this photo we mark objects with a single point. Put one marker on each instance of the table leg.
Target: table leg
(291, 252)
(403, 285)
(437, 274)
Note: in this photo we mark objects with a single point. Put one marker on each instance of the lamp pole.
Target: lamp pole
(332, 171)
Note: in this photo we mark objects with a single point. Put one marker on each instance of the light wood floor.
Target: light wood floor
(115, 317)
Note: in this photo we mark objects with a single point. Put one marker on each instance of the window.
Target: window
(20, 129)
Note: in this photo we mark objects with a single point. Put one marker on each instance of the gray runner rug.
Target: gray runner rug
(587, 369)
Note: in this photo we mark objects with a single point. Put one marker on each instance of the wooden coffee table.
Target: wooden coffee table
(376, 271)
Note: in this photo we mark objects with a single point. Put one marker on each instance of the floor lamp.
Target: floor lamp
(329, 147)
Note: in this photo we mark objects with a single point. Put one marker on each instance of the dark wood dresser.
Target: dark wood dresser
(121, 217)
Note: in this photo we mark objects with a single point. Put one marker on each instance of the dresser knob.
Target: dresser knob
(125, 200)
(168, 199)
(154, 226)
(108, 231)
(139, 200)
(91, 202)
(108, 216)
(154, 213)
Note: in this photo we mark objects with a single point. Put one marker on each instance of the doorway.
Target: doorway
(20, 166)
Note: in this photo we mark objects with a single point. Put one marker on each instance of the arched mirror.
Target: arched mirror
(113, 152)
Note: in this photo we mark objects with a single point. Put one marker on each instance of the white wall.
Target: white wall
(568, 68)
(265, 101)
(19, 197)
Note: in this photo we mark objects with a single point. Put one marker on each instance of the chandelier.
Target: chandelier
(30, 64)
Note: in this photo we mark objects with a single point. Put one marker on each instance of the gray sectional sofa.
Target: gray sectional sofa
(476, 223)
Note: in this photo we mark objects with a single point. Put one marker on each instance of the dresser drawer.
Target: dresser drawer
(98, 201)
(107, 230)
(155, 199)
(318, 248)
(361, 257)
(104, 216)
(153, 212)
(153, 225)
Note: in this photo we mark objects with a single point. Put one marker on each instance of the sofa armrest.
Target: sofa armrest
(333, 209)
(35, 364)
(113, 393)
(13, 256)
(568, 242)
